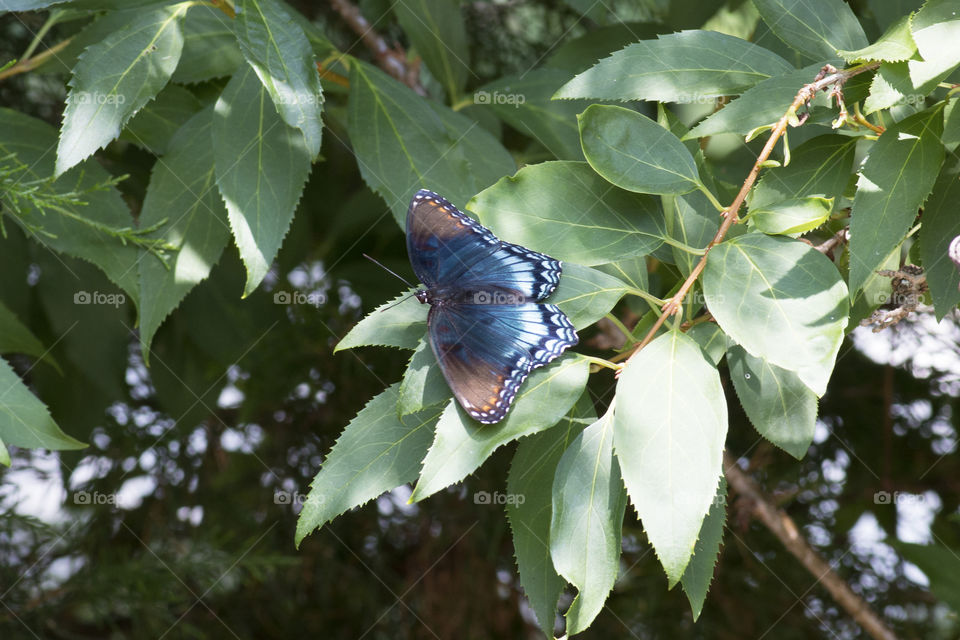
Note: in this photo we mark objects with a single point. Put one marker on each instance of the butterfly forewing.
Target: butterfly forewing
(447, 247)
(486, 351)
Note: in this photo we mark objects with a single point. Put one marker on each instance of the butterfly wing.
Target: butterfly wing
(449, 249)
(486, 351)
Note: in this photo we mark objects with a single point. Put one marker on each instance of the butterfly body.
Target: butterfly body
(485, 326)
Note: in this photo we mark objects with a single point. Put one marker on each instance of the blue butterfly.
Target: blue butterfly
(485, 328)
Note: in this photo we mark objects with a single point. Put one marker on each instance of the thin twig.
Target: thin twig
(731, 213)
(392, 60)
(29, 64)
(785, 529)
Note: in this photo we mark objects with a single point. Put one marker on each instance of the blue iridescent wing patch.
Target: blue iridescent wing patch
(485, 328)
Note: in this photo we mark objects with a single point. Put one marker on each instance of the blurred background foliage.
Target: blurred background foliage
(179, 518)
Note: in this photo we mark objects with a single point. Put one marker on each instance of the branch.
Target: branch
(785, 529)
(393, 61)
(731, 213)
(29, 64)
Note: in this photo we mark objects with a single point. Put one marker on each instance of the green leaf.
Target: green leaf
(24, 420)
(669, 432)
(876, 290)
(689, 66)
(377, 452)
(261, 165)
(428, 154)
(579, 54)
(951, 125)
(423, 383)
(781, 300)
(692, 220)
(941, 225)
(401, 326)
(437, 32)
(567, 211)
(525, 103)
(894, 85)
(793, 216)
(635, 153)
(183, 191)
(699, 573)
(4, 455)
(894, 181)
(209, 46)
(277, 49)
(780, 406)
(936, 30)
(820, 165)
(156, 123)
(115, 78)
(486, 156)
(632, 271)
(815, 28)
(894, 45)
(711, 339)
(29, 139)
(531, 476)
(461, 444)
(587, 520)
(15, 337)
(761, 104)
(586, 295)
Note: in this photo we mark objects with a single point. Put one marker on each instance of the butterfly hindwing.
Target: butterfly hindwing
(486, 351)
(448, 248)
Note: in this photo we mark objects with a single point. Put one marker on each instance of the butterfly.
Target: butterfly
(484, 325)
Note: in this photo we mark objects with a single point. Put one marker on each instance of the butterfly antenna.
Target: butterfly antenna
(398, 302)
(387, 270)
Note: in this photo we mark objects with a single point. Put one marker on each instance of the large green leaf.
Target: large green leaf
(392, 324)
(781, 300)
(690, 66)
(820, 165)
(182, 190)
(939, 563)
(377, 452)
(588, 507)
(815, 28)
(277, 49)
(461, 444)
(793, 216)
(16, 337)
(635, 153)
(115, 78)
(894, 181)
(531, 476)
(486, 156)
(669, 431)
(692, 220)
(567, 211)
(524, 102)
(579, 54)
(699, 573)
(894, 45)
(261, 165)
(586, 295)
(209, 46)
(437, 32)
(936, 30)
(941, 225)
(780, 406)
(155, 124)
(761, 104)
(29, 140)
(403, 145)
(24, 420)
